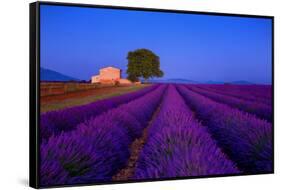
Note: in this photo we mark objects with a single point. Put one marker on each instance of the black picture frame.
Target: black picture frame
(34, 83)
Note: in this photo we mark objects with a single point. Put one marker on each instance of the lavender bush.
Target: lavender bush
(54, 122)
(261, 110)
(212, 139)
(179, 146)
(260, 94)
(98, 147)
(246, 139)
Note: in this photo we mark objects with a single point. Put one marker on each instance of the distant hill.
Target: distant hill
(50, 75)
(213, 82)
(187, 81)
(241, 82)
(184, 81)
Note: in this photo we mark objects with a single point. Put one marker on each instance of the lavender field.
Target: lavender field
(161, 131)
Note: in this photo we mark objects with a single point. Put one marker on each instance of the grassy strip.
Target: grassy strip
(85, 100)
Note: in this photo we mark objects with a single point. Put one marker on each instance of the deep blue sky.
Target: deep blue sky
(77, 41)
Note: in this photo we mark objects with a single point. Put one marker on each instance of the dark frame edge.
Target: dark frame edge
(33, 89)
(273, 96)
(118, 7)
(34, 105)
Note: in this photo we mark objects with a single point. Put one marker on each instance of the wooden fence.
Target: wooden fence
(55, 88)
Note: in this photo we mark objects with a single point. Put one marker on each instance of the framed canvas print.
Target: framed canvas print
(121, 94)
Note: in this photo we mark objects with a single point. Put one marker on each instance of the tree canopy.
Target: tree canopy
(143, 63)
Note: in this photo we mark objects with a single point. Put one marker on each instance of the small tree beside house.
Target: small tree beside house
(143, 63)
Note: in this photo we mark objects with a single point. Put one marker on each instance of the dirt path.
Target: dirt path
(57, 102)
(85, 93)
(136, 147)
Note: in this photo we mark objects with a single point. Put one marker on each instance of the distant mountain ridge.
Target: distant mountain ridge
(50, 75)
(213, 82)
(184, 81)
(187, 81)
(241, 82)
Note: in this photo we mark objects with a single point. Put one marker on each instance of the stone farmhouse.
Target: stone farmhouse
(109, 75)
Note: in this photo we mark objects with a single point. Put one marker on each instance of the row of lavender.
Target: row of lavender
(99, 147)
(255, 93)
(178, 145)
(228, 141)
(245, 138)
(54, 122)
(261, 110)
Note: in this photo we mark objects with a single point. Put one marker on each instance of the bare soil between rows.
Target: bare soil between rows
(135, 149)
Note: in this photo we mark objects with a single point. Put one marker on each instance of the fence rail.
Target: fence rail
(56, 88)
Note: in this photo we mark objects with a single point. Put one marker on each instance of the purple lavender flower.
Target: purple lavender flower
(54, 122)
(246, 139)
(179, 146)
(259, 109)
(99, 146)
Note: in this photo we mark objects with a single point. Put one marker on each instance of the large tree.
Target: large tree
(143, 63)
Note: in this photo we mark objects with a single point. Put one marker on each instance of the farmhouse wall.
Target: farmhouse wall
(95, 79)
(110, 73)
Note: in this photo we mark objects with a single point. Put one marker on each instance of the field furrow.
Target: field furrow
(260, 110)
(246, 139)
(258, 91)
(100, 146)
(127, 172)
(248, 96)
(177, 145)
(55, 122)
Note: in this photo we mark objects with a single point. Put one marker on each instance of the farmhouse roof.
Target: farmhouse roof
(111, 67)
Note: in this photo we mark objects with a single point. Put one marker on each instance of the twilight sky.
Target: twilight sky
(77, 41)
